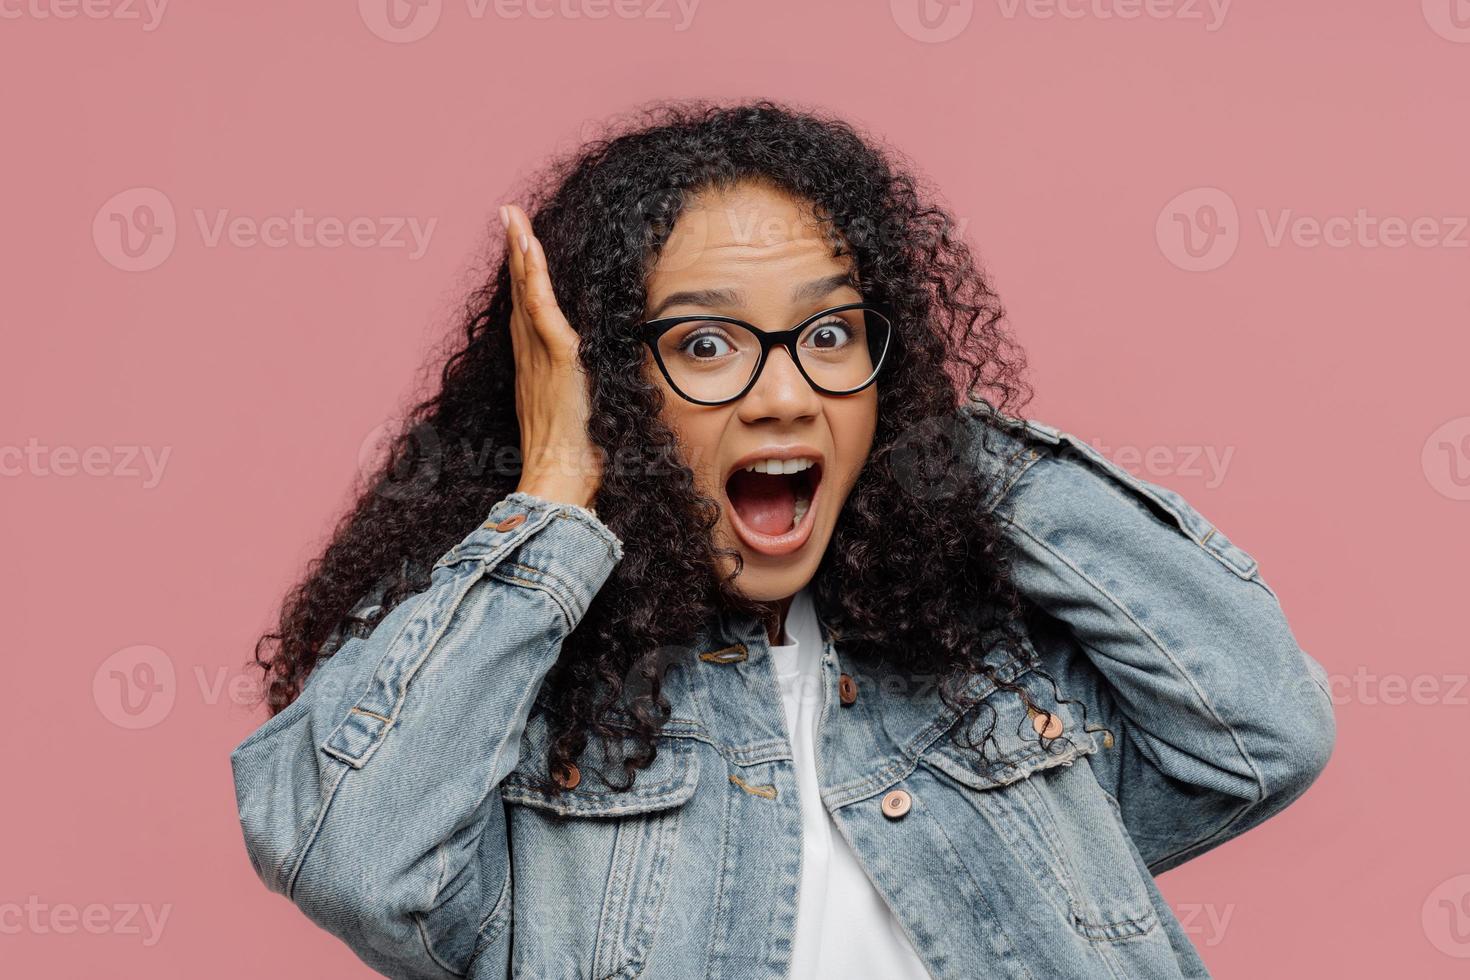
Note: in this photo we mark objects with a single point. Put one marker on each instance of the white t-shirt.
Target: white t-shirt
(844, 930)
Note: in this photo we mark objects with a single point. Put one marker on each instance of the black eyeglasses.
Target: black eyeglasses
(714, 360)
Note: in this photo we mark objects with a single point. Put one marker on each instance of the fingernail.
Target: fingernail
(504, 217)
(525, 243)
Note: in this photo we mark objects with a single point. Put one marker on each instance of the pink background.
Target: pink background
(1325, 381)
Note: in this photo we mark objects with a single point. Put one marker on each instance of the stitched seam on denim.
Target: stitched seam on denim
(1135, 924)
(654, 838)
(1033, 457)
(856, 853)
(720, 886)
(566, 597)
(1204, 702)
(603, 532)
(377, 669)
(522, 706)
(497, 911)
(309, 834)
(1127, 481)
(606, 944)
(545, 588)
(979, 891)
(418, 920)
(401, 692)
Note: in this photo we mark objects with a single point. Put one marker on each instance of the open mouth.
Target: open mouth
(771, 502)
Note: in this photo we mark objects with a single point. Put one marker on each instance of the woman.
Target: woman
(723, 619)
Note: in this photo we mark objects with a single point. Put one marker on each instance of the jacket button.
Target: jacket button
(896, 804)
(514, 520)
(1047, 725)
(568, 777)
(846, 689)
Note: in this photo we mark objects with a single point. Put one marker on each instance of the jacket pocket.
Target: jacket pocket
(1045, 814)
(602, 859)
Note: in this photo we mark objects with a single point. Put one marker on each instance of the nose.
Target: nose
(780, 394)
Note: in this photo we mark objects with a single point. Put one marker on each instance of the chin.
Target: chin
(767, 578)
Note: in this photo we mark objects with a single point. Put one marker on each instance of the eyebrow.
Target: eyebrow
(807, 291)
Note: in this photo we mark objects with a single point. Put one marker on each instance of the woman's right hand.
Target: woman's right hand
(558, 459)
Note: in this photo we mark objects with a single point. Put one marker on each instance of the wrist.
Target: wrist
(579, 493)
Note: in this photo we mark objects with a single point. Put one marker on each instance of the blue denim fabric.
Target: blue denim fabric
(396, 801)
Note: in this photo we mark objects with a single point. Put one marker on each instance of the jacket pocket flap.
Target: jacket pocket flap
(668, 781)
(1016, 748)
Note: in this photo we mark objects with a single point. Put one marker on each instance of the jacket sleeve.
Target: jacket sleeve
(372, 801)
(1167, 633)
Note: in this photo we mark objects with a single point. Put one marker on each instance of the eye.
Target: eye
(706, 344)
(830, 334)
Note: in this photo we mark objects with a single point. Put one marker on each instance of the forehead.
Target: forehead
(750, 238)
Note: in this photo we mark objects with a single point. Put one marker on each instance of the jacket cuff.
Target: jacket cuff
(559, 546)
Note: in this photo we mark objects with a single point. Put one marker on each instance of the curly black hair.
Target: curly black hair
(915, 581)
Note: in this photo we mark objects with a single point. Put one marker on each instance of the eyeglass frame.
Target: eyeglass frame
(654, 329)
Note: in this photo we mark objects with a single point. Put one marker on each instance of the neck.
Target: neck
(776, 621)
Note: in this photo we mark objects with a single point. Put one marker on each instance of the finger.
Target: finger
(541, 304)
(519, 323)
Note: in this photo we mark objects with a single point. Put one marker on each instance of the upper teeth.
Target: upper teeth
(779, 465)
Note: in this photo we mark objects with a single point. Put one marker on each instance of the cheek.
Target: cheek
(699, 431)
(853, 425)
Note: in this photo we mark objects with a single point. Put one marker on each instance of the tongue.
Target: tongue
(764, 502)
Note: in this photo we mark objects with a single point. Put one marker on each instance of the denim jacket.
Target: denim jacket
(396, 800)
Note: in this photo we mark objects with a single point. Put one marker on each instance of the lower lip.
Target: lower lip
(776, 545)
